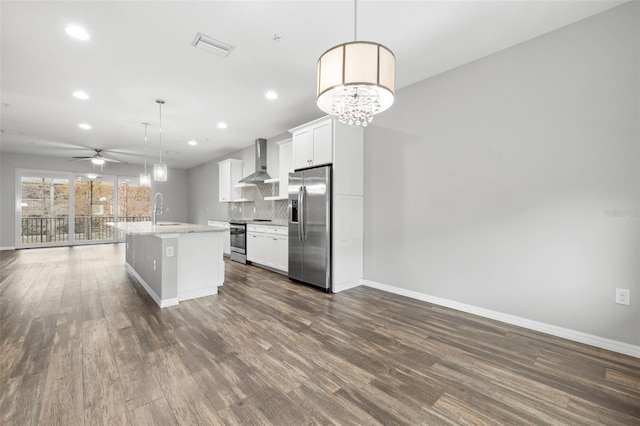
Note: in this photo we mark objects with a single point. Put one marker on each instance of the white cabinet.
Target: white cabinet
(285, 152)
(226, 241)
(268, 246)
(348, 246)
(256, 247)
(348, 162)
(313, 144)
(286, 166)
(229, 173)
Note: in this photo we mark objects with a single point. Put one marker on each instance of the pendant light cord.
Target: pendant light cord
(145, 147)
(355, 20)
(160, 133)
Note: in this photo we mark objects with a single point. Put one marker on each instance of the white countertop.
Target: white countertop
(142, 228)
(253, 222)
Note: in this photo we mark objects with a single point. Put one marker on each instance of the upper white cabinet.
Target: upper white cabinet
(230, 172)
(328, 141)
(313, 144)
(286, 166)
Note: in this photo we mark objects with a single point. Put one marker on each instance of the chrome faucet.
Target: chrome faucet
(155, 209)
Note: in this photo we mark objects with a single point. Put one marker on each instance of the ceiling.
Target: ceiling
(140, 51)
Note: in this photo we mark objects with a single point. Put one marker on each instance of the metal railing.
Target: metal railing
(52, 229)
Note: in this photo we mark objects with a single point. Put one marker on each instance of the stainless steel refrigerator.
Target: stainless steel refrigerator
(310, 226)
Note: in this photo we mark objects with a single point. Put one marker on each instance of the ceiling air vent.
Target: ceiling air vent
(212, 45)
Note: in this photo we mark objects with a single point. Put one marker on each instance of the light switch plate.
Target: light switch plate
(170, 251)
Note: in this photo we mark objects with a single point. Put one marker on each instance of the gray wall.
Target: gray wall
(175, 190)
(493, 184)
(203, 181)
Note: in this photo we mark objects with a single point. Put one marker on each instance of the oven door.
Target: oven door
(238, 238)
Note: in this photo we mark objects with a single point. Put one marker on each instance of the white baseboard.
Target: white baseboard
(576, 336)
(200, 292)
(337, 288)
(7, 248)
(160, 302)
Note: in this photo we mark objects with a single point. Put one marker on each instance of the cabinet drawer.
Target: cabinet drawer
(255, 228)
(268, 229)
(278, 230)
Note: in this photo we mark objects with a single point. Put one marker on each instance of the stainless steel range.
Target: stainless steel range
(238, 240)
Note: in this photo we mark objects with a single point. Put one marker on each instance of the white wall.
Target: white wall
(490, 185)
(175, 190)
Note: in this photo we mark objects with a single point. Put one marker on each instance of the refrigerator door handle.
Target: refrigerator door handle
(300, 212)
(304, 213)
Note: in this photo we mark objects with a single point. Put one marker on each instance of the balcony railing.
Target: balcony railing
(41, 229)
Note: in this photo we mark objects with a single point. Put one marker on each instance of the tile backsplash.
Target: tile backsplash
(259, 208)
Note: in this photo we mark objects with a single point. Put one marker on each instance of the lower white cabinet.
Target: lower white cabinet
(268, 246)
(226, 242)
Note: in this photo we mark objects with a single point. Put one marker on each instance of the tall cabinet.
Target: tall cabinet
(328, 141)
(229, 173)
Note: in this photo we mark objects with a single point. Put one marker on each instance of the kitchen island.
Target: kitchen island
(174, 261)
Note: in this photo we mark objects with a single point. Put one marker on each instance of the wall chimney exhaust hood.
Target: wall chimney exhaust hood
(261, 164)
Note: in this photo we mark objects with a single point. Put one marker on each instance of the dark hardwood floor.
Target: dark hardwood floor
(82, 343)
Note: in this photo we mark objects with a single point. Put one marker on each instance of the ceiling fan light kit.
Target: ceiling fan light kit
(98, 159)
(160, 173)
(356, 80)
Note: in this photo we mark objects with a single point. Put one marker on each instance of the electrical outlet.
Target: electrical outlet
(623, 296)
(170, 251)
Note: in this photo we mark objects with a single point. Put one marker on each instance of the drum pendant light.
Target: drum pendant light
(356, 79)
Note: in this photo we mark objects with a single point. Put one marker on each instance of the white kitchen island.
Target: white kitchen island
(174, 261)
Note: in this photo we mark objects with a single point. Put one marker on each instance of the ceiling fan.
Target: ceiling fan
(98, 159)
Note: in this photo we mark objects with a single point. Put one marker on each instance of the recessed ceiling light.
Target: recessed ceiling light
(271, 95)
(84, 126)
(77, 32)
(91, 176)
(193, 143)
(80, 95)
(222, 125)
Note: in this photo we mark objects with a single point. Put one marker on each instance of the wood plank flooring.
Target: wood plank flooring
(83, 344)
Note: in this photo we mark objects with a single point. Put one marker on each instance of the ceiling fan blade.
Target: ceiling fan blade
(80, 158)
(111, 160)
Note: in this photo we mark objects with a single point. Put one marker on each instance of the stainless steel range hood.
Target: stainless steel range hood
(260, 174)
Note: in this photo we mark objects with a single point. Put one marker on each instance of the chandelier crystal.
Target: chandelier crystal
(355, 104)
(356, 80)
(160, 169)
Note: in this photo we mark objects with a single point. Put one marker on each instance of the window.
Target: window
(56, 208)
